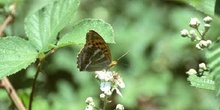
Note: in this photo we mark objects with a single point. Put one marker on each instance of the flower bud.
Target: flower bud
(88, 107)
(184, 33)
(89, 100)
(207, 26)
(108, 93)
(207, 19)
(119, 107)
(209, 42)
(192, 35)
(203, 44)
(203, 66)
(191, 72)
(194, 23)
(198, 46)
(102, 96)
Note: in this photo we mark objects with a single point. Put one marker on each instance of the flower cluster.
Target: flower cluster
(90, 103)
(202, 69)
(197, 35)
(110, 81)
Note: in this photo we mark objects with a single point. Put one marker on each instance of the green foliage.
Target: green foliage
(80, 28)
(43, 26)
(153, 71)
(214, 64)
(202, 5)
(203, 82)
(210, 80)
(16, 54)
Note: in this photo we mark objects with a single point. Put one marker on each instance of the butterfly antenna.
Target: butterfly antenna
(122, 55)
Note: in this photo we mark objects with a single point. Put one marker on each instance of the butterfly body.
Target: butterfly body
(95, 55)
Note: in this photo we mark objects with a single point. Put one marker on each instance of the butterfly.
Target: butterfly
(95, 55)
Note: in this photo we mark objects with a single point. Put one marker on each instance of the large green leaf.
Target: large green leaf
(16, 54)
(206, 6)
(43, 26)
(78, 33)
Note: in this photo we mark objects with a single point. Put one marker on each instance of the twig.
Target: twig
(36, 75)
(12, 93)
(34, 84)
(8, 20)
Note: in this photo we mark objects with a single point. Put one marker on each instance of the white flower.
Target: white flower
(108, 93)
(104, 75)
(193, 35)
(198, 46)
(191, 72)
(90, 103)
(89, 107)
(110, 81)
(184, 33)
(203, 66)
(106, 87)
(207, 19)
(194, 22)
(89, 100)
(102, 96)
(203, 44)
(118, 92)
(119, 107)
(207, 26)
(120, 82)
(209, 42)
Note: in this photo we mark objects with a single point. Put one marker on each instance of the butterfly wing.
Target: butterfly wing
(95, 55)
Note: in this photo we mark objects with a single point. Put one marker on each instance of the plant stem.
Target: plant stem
(8, 20)
(34, 83)
(201, 34)
(36, 75)
(12, 93)
(105, 103)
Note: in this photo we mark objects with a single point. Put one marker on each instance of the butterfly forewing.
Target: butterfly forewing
(95, 55)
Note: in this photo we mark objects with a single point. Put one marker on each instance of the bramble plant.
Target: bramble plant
(110, 81)
(203, 77)
(43, 29)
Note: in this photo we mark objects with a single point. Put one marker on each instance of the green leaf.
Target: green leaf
(43, 26)
(78, 33)
(203, 82)
(213, 58)
(16, 54)
(206, 6)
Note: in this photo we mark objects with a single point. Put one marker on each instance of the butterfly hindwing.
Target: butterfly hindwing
(95, 55)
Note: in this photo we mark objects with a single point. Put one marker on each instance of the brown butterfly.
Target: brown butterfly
(95, 55)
